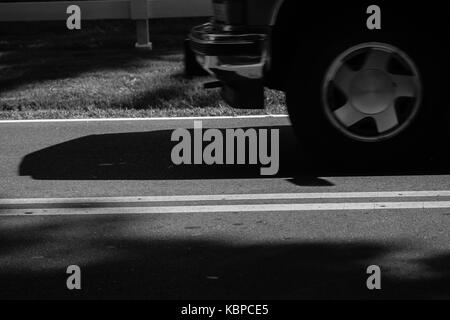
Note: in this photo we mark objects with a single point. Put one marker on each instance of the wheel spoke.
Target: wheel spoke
(405, 85)
(348, 115)
(377, 59)
(343, 78)
(386, 120)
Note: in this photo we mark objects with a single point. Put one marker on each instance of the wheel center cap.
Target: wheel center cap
(372, 91)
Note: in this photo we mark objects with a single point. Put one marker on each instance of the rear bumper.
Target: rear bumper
(236, 58)
(211, 40)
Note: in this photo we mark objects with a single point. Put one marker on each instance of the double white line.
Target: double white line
(159, 204)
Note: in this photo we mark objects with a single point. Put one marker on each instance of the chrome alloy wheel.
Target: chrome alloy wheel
(372, 92)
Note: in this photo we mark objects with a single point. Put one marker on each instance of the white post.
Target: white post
(139, 12)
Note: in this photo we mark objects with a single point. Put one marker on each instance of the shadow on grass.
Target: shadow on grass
(127, 266)
(36, 52)
(22, 68)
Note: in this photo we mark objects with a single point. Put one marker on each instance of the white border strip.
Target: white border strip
(421, 205)
(231, 197)
(146, 119)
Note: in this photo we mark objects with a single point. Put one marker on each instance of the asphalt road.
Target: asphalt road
(309, 232)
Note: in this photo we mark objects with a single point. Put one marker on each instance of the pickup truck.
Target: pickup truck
(366, 77)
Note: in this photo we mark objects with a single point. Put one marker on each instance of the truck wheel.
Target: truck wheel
(363, 102)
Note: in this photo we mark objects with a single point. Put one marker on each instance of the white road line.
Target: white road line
(231, 197)
(423, 205)
(146, 119)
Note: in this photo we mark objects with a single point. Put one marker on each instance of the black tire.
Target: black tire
(322, 141)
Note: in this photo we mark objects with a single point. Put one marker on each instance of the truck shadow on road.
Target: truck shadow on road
(147, 156)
